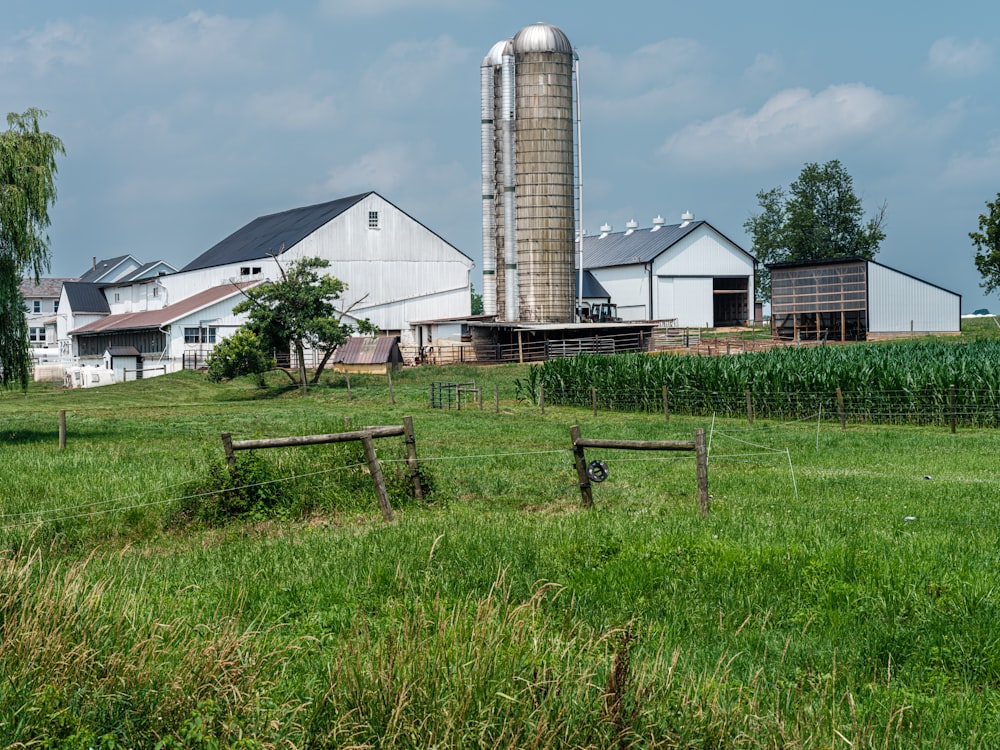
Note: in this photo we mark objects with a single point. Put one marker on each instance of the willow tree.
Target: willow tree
(27, 189)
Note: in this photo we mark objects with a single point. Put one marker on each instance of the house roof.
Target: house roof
(271, 234)
(86, 297)
(45, 288)
(145, 272)
(365, 350)
(163, 316)
(638, 245)
(102, 268)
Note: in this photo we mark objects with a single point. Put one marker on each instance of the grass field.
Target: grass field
(843, 591)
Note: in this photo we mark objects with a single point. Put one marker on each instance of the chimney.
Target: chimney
(94, 262)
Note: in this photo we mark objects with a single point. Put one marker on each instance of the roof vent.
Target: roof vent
(605, 230)
(630, 226)
(686, 218)
(657, 223)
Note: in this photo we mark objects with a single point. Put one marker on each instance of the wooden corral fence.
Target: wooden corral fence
(366, 436)
(697, 445)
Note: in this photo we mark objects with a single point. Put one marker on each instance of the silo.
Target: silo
(543, 173)
(528, 176)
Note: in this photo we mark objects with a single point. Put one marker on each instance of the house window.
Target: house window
(373, 219)
(55, 306)
(204, 335)
(36, 335)
(156, 291)
(249, 270)
(244, 270)
(37, 306)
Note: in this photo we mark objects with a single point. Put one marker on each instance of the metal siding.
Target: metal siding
(703, 254)
(693, 302)
(628, 287)
(899, 303)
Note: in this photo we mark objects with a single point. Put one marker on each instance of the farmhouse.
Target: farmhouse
(688, 273)
(854, 299)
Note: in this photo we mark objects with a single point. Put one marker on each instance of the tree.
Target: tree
(987, 242)
(27, 189)
(476, 301)
(819, 218)
(300, 310)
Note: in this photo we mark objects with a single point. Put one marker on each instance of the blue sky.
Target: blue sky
(185, 120)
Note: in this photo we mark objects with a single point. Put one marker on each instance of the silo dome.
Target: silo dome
(541, 37)
(496, 53)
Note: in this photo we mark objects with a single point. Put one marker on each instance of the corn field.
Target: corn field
(898, 383)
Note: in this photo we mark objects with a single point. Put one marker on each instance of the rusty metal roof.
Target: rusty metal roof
(366, 350)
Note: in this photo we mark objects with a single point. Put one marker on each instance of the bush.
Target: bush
(226, 494)
(240, 354)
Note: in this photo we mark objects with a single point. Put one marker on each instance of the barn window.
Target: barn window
(156, 291)
(373, 219)
(199, 335)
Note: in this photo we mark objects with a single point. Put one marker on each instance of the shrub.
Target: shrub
(225, 494)
(240, 354)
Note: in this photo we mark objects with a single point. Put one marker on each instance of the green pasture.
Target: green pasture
(842, 592)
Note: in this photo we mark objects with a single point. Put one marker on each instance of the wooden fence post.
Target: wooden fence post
(496, 399)
(376, 471)
(666, 405)
(62, 429)
(840, 409)
(227, 444)
(951, 408)
(348, 376)
(593, 399)
(392, 394)
(411, 457)
(587, 498)
(701, 460)
(749, 407)
(541, 397)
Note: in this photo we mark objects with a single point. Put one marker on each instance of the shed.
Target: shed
(856, 299)
(367, 354)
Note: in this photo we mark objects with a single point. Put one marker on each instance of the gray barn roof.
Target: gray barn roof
(639, 245)
(86, 298)
(272, 234)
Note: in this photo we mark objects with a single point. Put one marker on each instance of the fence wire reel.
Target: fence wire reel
(597, 471)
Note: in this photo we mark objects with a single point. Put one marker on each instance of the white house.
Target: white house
(397, 271)
(689, 273)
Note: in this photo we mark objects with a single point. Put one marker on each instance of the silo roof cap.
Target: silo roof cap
(496, 53)
(541, 37)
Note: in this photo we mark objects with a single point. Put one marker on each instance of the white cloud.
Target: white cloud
(765, 66)
(948, 56)
(792, 125)
(202, 43)
(409, 70)
(291, 109)
(383, 169)
(57, 42)
(970, 168)
(383, 7)
(651, 65)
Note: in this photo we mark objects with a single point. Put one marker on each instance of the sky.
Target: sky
(185, 120)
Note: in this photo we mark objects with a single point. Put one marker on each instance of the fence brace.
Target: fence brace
(697, 445)
(366, 437)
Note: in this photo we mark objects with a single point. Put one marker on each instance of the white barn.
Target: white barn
(689, 273)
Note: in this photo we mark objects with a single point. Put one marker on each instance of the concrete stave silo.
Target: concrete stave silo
(529, 162)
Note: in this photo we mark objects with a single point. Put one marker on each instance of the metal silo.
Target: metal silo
(528, 161)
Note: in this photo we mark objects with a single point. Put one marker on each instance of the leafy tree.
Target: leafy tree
(240, 354)
(819, 218)
(987, 242)
(27, 189)
(300, 310)
(477, 301)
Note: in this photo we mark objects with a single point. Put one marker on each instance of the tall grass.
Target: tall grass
(834, 597)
